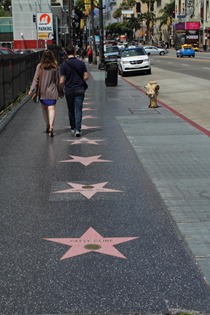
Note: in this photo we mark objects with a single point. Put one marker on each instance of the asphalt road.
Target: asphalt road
(198, 67)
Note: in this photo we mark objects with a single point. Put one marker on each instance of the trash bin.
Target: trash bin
(111, 73)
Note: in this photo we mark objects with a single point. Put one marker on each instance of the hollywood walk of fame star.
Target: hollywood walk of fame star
(85, 160)
(89, 117)
(87, 108)
(87, 103)
(83, 140)
(92, 241)
(87, 190)
(84, 127)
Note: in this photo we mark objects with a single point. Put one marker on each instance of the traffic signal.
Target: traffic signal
(173, 14)
(138, 7)
(34, 18)
(152, 6)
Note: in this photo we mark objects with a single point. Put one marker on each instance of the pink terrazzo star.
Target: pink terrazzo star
(89, 117)
(92, 241)
(87, 190)
(84, 127)
(87, 103)
(85, 160)
(87, 108)
(83, 140)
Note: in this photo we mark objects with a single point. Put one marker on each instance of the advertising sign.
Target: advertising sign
(180, 26)
(45, 36)
(192, 25)
(44, 23)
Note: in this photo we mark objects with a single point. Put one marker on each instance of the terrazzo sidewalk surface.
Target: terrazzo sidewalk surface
(114, 222)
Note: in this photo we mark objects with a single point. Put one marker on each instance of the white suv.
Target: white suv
(133, 60)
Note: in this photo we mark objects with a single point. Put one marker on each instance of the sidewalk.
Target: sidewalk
(115, 222)
(177, 155)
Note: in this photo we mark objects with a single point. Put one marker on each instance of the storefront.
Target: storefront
(186, 33)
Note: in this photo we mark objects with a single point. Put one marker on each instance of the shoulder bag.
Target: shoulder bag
(36, 96)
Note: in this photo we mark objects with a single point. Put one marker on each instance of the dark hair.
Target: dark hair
(48, 60)
(70, 50)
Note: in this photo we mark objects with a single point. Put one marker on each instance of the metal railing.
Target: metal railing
(16, 74)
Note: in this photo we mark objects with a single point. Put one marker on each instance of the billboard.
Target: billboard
(192, 25)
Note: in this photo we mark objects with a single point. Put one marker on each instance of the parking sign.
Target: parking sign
(44, 23)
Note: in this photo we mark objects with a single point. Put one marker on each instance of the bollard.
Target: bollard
(152, 92)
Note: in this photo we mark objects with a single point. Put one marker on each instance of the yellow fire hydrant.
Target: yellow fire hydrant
(152, 92)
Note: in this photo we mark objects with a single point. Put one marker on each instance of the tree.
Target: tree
(118, 27)
(166, 18)
(167, 14)
(132, 25)
(125, 5)
(5, 8)
(117, 13)
(79, 5)
(5, 5)
(149, 16)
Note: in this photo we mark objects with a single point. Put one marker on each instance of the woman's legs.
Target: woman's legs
(45, 115)
(51, 115)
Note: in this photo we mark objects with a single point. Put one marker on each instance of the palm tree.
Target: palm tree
(118, 27)
(149, 16)
(133, 24)
(117, 13)
(167, 13)
(125, 5)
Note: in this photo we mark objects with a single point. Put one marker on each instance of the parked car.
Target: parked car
(23, 51)
(153, 50)
(133, 60)
(111, 53)
(6, 51)
(185, 52)
(121, 45)
(195, 47)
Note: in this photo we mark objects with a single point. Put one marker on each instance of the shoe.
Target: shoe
(77, 133)
(47, 129)
(51, 134)
(72, 132)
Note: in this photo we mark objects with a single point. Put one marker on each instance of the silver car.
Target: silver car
(153, 50)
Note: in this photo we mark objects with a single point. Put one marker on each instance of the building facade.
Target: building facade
(25, 30)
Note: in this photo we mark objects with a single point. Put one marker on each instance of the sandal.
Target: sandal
(51, 134)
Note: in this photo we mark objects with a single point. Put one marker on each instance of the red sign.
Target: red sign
(192, 25)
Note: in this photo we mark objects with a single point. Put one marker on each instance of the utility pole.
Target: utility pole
(101, 33)
(93, 33)
(70, 24)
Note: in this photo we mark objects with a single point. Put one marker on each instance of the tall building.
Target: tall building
(26, 31)
(192, 22)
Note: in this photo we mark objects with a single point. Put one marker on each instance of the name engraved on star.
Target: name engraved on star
(88, 241)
